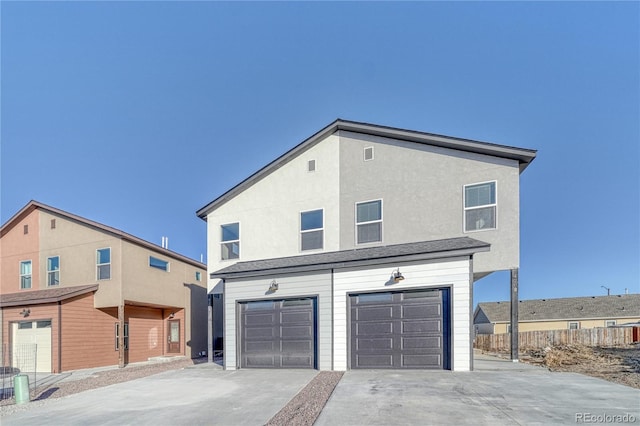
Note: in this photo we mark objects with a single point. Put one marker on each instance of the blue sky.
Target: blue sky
(136, 114)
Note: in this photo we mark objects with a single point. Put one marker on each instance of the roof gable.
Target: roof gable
(35, 205)
(625, 305)
(523, 156)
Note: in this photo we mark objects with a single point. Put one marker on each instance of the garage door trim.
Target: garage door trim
(239, 321)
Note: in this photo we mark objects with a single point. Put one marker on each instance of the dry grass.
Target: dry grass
(620, 364)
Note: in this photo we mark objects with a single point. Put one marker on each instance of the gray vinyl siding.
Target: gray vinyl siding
(317, 284)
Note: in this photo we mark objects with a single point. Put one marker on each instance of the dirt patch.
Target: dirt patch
(619, 365)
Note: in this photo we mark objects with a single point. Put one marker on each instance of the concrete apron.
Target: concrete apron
(497, 392)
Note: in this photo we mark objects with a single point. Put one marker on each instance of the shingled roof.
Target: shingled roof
(570, 308)
(463, 246)
(51, 295)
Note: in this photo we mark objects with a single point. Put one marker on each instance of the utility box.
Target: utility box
(21, 388)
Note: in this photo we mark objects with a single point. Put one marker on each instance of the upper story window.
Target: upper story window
(53, 271)
(230, 241)
(103, 262)
(25, 274)
(311, 230)
(154, 262)
(609, 323)
(369, 222)
(198, 276)
(574, 325)
(480, 206)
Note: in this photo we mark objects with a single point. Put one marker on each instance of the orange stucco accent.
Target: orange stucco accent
(15, 247)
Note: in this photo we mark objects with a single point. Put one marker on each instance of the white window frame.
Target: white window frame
(310, 230)
(610, 323)
(465, 208)
(53, 272)
(364, 153)
(165, 269)
(98, 265)
(23, 277)
(223, 242)
(577, 323)
(381, 221)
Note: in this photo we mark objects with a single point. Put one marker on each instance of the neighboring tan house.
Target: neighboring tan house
(358, 248)
(558, 314)
(70, 285)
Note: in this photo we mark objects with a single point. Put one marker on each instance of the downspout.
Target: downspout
(471, 326)
(59, 336)
(333, 343)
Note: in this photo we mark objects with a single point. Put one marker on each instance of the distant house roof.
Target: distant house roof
(35, 205)
(51, 295)
(463, 246)
(523, 156)
(617, 306)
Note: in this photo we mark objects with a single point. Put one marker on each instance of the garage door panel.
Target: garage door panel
(422, 311)
(401, 329)
(296, 317)
(375, 344)
(421, 342)
(376, 361)
(430, 326)
(32, 346)
(374, 313)
(420, 361)
(258, 319)
(367, 329)
(259, 346)
(278, 334)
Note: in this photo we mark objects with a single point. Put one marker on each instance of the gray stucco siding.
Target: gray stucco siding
(422, 190)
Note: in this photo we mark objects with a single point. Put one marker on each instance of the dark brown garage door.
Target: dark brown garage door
(408, 329)
(278, 334)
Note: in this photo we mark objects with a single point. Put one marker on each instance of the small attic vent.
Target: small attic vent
(368, 153)
(311, 166)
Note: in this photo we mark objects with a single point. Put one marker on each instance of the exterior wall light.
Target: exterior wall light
(397, 276)
(273, 286)
(25, 312)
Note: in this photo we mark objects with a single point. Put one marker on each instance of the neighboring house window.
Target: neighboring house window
(198, 276)
(154, 262)
(311, 166)
(53, 270)
(508, 328)
(609, 323)
(126, 336)
(230, 241)
(104, 263)
(368, 153)
(25, 274)
(574, 325)
(311, 230)
(369, 222)
(480, 206)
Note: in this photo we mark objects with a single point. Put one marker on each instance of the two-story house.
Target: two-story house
(358, 248)
(89, 295)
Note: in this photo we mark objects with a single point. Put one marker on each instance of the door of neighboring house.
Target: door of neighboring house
(173, 337)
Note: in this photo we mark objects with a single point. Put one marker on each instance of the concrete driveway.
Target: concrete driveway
(497, 392)
(202, 395)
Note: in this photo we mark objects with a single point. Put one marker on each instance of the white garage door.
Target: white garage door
(32, 346)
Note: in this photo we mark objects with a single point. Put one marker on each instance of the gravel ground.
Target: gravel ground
(306, 406)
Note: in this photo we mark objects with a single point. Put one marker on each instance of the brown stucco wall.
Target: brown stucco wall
(16, 246)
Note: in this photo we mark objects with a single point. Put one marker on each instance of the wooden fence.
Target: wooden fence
(609, 336)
